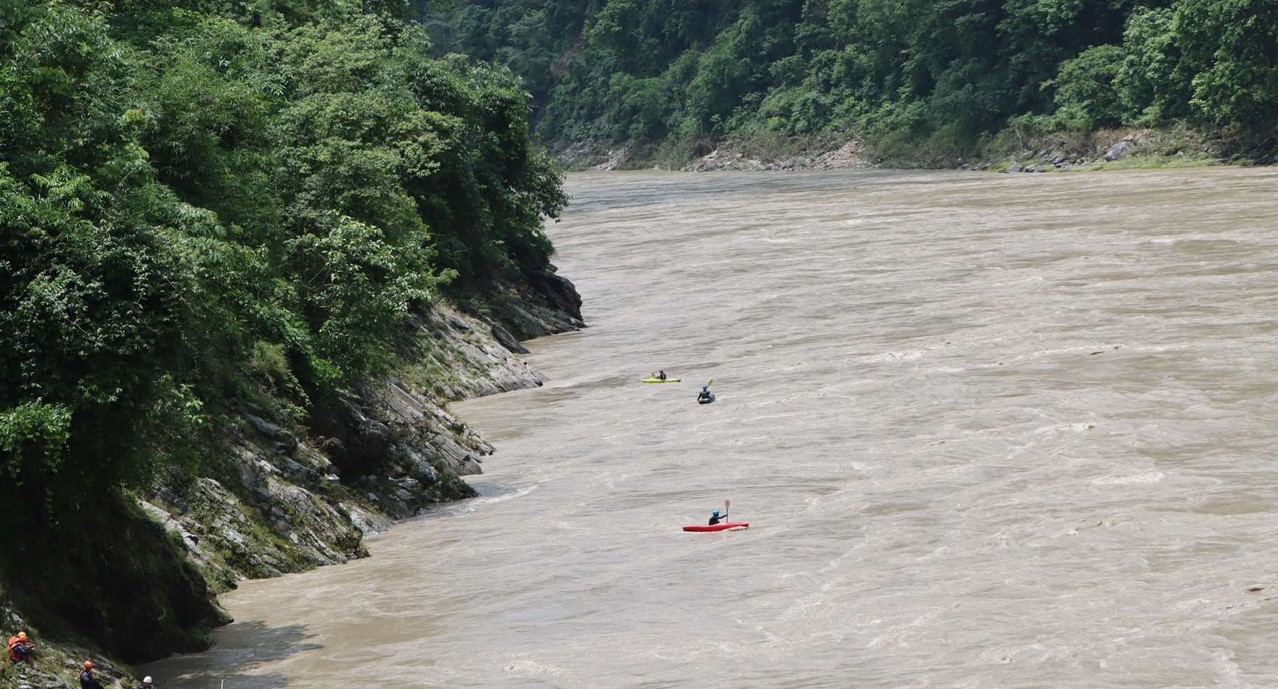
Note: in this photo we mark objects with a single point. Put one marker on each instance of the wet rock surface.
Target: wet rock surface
(293, 498)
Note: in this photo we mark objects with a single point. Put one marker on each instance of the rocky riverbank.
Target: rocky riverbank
(292, 492)
(1111, 148)
(1011, 151)
(847, 156)
(824, 154)
(293, 497)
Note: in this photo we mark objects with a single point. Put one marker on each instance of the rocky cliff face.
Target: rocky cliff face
(544, 304)
(296, 498)
(292, 496)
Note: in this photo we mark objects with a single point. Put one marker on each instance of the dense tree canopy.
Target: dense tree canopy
(939, 73)
(204, 200)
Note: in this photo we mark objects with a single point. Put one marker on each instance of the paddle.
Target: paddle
(726, 505)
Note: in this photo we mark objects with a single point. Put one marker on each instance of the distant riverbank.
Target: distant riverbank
(1010, 151)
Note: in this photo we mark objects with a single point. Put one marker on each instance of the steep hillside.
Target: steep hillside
(916, 82)
(231, 237)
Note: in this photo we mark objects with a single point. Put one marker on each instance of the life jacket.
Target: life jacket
(13, 648)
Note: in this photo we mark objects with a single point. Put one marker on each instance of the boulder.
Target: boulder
(285, 441)
(423, 471)
(457, 323)
(1117, 151)
(505, 339)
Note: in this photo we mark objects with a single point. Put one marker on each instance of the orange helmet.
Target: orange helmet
(88, 664)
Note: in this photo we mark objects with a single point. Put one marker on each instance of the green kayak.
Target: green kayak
(658, 380)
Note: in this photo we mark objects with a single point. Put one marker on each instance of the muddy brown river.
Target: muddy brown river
(989, 431)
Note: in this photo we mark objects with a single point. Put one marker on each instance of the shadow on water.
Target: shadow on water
(237, 650)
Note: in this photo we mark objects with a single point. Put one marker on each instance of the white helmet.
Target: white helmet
(146, 680)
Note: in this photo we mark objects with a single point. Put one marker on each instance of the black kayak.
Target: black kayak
(707, 399)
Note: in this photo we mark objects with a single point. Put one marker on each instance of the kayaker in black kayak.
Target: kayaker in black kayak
(706, 396)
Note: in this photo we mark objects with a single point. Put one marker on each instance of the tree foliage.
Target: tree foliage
(938, 71)
(206, 199)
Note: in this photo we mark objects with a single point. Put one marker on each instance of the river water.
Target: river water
(989, 431)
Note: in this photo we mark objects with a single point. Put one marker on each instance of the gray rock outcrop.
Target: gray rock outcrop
(1117, 151)
(290, 498)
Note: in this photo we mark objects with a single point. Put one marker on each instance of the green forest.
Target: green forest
(210, 203)
(936, 76)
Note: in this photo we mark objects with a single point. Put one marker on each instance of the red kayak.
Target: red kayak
(724, 526)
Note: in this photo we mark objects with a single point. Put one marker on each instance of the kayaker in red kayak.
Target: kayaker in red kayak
(718, 522)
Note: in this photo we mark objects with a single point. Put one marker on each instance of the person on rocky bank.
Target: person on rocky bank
(146, 683)
(20, 649)
(87, 680)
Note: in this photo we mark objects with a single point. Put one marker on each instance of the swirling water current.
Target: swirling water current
(989, 431)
